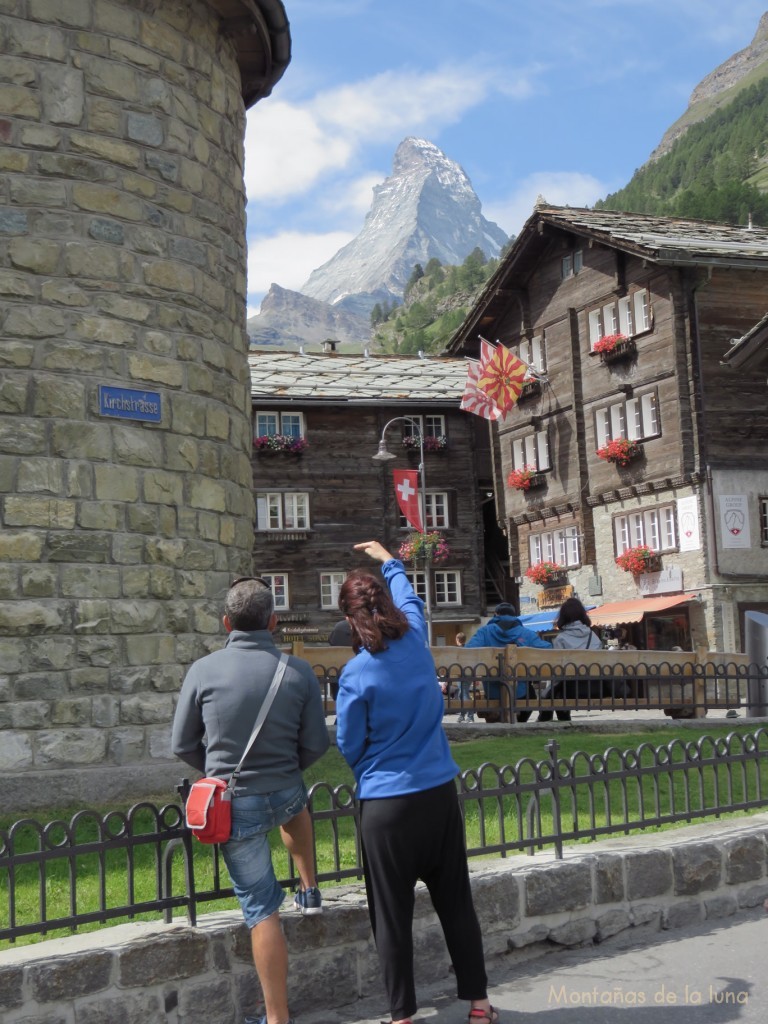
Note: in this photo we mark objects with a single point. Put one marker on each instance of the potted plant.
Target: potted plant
(546, 573)
(531, 388)
(431, 547)
(279, 443)
(614, 346)
(621, 450)
(525, 478)
(638, 560)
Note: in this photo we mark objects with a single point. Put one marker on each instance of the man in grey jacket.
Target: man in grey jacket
(218, 704)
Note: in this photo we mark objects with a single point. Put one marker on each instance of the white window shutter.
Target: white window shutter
(595, 331)
(518, 453)
(542, 447)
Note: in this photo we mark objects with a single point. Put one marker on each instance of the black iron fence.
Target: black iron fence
(94, 868)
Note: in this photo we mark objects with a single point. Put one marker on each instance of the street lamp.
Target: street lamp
(383, 455)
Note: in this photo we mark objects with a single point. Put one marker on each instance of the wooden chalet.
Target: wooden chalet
(317, 423)
(627, 319)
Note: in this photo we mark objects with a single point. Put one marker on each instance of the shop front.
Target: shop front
(648, 624)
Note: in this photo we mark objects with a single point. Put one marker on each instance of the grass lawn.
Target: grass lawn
(502, 820)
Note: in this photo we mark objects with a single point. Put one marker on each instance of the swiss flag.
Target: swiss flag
(407, 492)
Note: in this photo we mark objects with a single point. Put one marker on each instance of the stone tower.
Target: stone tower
(125, 479)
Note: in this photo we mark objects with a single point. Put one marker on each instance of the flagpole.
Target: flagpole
(382, 455)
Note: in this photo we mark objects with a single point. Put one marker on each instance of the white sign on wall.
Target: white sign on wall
(734, 521)
(688, 523)
(668, 581)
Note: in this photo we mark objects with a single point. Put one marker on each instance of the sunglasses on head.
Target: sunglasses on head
(247, 579)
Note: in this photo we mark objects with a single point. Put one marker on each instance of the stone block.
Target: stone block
(70, 977)
(126, 746)
(145, 368)
(81, 441)
(697, 868)
(160, 959)
(144, 129)
(30, 714)
(207, 1002)
(63, 94)
(648, 873)
(23, 546)
(40, 685)
(208, 494)
(74, 711)
(97, 651)
(119, 1008)
(39, 581)
(116, 482)
(103, 230)
(35, 255)
(104, 199)
(163, 488)
(560, 888)
(611, 923)
(15, 751)
(146, 709)
(108, 330)
(91, 616)
(105, 711)
(79, 547)
(46, 513)
(90, 680)
(724, 905)
(61, 354)
(96, 262)
(135, 447)
(11, 986)
(15, 286)
(13, 396)
(59, 397)
(17, 101)
(105, 148)
(744, 859)
(680, 915)
(66, 748)
(53, 652)
(25, 618)
(72, 13)
(64, 293)
(754, 896)
(573, 933)
(101, 515)
(137, 617)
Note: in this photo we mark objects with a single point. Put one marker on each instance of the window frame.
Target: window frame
(418, 580)
(332, 588)
(533, 352)
(637, 527)
(441, 582)
(278, 504)
(429, 425)
(561, 545)
(529, 449)
(620, 316)
(280, 593)
(430, 499)
(280, 418)
(636, 417)
(762, 511)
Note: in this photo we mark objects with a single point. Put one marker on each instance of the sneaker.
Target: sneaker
(460, 719)
(308, 901)
(471, 718)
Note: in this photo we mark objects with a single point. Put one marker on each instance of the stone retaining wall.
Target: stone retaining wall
(156, 974)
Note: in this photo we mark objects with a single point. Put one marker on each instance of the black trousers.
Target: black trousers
(406, 838)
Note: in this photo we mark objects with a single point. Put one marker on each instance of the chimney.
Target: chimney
(329, 347)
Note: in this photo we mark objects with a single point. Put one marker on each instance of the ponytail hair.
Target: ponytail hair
(373, 617)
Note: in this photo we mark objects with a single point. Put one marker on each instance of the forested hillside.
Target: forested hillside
(436, 300)
(716, 171)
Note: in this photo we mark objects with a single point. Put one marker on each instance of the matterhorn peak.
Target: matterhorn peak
(425, 209)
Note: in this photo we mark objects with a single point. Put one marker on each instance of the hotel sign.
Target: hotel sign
(128, 404)
(553, 597)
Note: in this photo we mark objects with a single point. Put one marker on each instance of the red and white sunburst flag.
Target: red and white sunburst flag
(501, 378)
(407, 493)
(474, 400)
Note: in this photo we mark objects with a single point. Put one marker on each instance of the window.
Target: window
(532, 450)
(291, 424)
(561, 546)
(572, 263)
(437, 516)
(629, 315)
(418, 582)
(533, 353)
(447, 586)
(278, 581)
(430, 426)
(330, 585)
(634, 418)
(282, 511)
(763, 503)
(654, 527)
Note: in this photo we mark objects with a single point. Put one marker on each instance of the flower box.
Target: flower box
(639, 560)
(621, 451)
(526, 478)
(613, 347)
(531, 389)
(431, 444)
(547, 574)
(271, 444)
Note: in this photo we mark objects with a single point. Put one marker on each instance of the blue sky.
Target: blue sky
(529, 96)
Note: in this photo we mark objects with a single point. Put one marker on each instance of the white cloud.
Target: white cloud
(290, 146)
(559, 188)
(288, 259)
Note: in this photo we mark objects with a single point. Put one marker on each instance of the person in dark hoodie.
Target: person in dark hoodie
(505, 628)
(574, 633)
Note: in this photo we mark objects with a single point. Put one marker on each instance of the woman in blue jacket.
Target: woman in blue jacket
(389, 730)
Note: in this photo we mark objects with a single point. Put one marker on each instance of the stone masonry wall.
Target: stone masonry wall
(122, 263)
(174, 974)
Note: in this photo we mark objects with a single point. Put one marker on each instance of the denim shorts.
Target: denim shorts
(247, 854)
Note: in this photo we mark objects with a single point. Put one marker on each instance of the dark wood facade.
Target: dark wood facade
(344, 404)
(680, 292)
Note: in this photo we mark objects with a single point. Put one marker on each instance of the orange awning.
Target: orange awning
(617, 612)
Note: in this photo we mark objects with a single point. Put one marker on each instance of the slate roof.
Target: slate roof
(291, 376)
(667, 241)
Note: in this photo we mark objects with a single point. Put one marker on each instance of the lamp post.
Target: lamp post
(383, 455)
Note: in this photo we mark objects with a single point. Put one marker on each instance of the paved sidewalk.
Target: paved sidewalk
(709, 973)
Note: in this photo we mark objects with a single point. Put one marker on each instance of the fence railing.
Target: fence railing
(63, 875)
(509, 684)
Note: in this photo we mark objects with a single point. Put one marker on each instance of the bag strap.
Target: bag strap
(277, 679)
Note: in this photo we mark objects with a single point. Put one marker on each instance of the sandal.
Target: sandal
(481, 1017)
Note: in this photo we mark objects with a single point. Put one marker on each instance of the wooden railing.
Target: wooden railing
(514, 681)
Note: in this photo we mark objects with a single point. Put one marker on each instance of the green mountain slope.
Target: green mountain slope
(716, 171)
